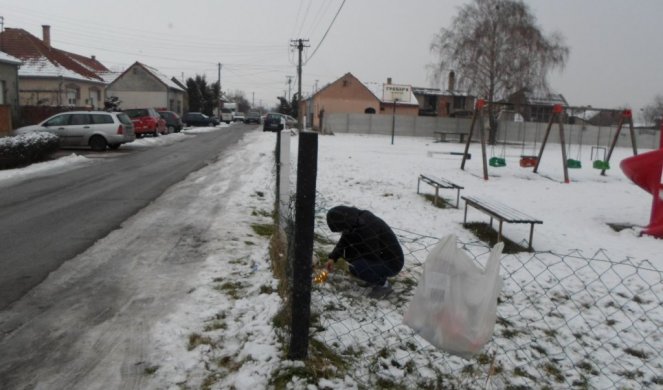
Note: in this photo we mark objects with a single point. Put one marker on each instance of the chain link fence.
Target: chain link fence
(564, 320)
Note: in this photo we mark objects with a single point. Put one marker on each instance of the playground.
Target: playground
(588, 254)
(589, 213)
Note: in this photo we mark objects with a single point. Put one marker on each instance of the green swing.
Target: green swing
(575, 163)
(603, 165)
(495, 161)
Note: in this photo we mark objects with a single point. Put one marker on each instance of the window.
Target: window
(459, 102)
(80, 119)
(101, 118)
(71, 97)
(2, 92)
(369, 110)
(60, 120)
(95, 97)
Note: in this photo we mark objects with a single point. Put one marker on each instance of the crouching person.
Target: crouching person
(369, 246)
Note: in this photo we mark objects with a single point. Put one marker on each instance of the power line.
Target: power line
(326, 32)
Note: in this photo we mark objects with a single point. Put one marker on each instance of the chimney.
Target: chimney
(93, 58)
(388, 80)
(452, 81)
(46, 34)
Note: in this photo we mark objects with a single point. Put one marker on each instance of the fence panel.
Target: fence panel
(508, 131)
(564, 320)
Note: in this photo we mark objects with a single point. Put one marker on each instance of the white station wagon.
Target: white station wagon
(96, 129)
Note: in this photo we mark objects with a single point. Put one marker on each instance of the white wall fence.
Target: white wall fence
(510, 132)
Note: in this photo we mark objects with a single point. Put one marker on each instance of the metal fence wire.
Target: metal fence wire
(564, 320)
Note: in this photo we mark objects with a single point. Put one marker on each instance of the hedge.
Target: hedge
(26, 149)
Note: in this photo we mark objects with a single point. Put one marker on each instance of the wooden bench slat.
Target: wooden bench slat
(437, 183)
(507, 213)
(502, 213)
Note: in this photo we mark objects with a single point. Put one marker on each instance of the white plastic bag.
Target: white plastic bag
(455, 304)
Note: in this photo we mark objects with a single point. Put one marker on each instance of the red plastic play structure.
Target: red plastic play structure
(645, 171)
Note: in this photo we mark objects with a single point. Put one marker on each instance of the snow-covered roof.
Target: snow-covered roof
(7, 59)
(40, 59)
(378, 90)
(42, 67)
(109, 76)
(162, 77)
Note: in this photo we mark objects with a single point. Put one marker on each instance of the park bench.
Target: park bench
(502, 213)
(441, 136)
(437, 183)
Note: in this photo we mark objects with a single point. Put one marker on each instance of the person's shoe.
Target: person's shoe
(381, 291)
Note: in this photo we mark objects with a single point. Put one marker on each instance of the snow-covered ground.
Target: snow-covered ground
(583, 310)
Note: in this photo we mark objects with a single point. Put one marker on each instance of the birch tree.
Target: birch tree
(497, 48)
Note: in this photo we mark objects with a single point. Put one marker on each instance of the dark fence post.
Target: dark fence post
(307, 168)
(277, 158)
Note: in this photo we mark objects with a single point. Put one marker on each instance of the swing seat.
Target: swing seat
(600, 164)
(575, 164)
(497, 162)
(528, 161)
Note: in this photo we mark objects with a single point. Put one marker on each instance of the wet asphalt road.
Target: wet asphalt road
(51, 218)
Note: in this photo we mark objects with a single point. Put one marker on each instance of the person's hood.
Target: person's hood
(342, 218)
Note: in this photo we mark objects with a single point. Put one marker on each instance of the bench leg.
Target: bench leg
(499, 234)
(418, 182)
(457, 197)
(437, 190)
(531, 235)
(491, 222)
(465, 217)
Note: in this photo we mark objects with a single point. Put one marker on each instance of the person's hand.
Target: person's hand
(330, 265)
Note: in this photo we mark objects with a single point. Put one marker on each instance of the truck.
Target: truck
(228, 112)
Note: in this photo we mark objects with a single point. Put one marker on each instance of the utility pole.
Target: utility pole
(253, 99)
(220, 102)
(289, 82)
(300, 44)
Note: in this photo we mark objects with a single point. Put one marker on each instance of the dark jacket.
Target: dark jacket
(363, 235)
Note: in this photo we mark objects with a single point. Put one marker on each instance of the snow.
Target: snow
(42, 67)
(9, 59)
(219, 331)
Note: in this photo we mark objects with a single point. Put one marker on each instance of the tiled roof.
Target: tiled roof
(40, 60)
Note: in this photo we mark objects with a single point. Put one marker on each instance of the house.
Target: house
(53, 77)
(143, 86)
(449, 103)
(535, 106)
(349, 95)
(8, 92)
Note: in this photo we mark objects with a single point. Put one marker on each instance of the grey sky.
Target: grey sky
(615, 51)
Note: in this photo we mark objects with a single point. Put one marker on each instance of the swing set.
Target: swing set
(603, 165)
(528, 161)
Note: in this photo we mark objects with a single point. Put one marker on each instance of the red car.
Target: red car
(147, 121)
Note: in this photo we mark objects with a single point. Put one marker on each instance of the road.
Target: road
(48, 220)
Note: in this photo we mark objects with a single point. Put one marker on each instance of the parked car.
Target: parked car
(199, 119)
(275, 121)
(147, 121)
(96, 129)
(173, 121)
(238, 117)
(252, 117)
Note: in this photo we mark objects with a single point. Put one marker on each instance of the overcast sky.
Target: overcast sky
(616, 54)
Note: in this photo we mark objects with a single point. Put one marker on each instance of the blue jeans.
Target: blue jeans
(371, 272)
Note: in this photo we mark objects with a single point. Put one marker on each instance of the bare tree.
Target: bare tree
(496, 49)
(653, 112)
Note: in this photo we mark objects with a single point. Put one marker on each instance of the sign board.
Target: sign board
(392, 92)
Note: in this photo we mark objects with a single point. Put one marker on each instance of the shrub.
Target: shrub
(26, 149)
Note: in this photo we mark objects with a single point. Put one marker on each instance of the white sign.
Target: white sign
(393, 92)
